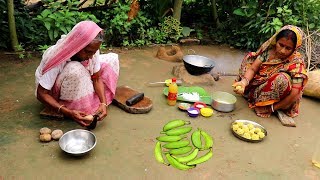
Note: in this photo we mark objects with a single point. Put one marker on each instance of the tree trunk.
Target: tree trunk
(216, 21)
(12, 26)
(177, 9)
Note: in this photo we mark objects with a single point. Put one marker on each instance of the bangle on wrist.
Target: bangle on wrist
(60, 108)
(104, 104)
(246, 80)
(272, 109)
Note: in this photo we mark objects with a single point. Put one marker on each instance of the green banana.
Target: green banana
(190, 157)
(169, 138)
(201, 159)
(196, 139)
(177, 144)
(177, 131)
(173, 162)
(207, 139)
(180, 151)
(174, 124)
(158, 153)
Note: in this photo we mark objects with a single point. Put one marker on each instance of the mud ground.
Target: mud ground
(125, 142)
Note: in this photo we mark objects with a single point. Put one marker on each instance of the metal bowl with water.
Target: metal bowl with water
(223, 101)
(77, 142)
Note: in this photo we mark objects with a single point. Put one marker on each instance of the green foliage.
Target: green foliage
(59, 18)
(139, 31)
(186, 31)
(27, 31)
(260, 21)
(171, 27)
(22, 54)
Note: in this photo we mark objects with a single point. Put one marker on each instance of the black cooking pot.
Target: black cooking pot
(197, 65)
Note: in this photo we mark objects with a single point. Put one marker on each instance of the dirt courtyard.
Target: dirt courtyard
(125, 142)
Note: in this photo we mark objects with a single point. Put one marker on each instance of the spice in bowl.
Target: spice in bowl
(206, 112)
(184, 106)
(193, 112)
(199, 105)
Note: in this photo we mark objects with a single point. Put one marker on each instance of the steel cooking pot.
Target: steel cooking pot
(197, 65)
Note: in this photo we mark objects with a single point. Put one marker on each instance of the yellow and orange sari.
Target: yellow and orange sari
(273, 81)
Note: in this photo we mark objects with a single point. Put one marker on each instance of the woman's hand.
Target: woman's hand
(101, 111)
(239, 87)
(77, 116)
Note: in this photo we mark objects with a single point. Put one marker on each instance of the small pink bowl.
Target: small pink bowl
(193, 112)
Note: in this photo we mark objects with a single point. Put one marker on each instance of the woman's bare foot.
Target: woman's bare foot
(263, 111)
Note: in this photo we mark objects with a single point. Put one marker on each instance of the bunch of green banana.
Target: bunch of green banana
(177, 145)
(174, 124)
(208, 140)
(169, 138)
(177, 131)
(158, 153)
(197, 142)
(201, 159)
(173, 162)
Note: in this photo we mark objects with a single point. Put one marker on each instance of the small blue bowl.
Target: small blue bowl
(193, 112)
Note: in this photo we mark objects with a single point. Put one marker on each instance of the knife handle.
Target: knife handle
(135, 99)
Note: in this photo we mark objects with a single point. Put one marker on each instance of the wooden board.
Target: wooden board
(48, 113)
(285, 120)
(123, 93)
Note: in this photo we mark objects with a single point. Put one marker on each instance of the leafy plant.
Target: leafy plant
(22, 53)
(59, 18)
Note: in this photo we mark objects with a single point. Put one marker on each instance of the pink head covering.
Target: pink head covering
(78, 38)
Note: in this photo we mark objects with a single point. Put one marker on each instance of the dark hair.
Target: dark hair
(99, 37)
(289, 34)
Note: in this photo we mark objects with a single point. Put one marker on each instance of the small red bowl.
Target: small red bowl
(199, 105)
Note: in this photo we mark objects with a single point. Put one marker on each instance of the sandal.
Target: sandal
(285, 119)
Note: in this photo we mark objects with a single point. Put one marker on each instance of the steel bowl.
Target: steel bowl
(223, 101)
(197, 65)
(77, 142)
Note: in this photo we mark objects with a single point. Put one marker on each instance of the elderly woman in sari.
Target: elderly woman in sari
(272, 79)
(74, 78)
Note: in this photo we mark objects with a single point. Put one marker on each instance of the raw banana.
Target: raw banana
(177, 144)
(158, 153)
(190, 157)
(173, 162)
(169, 138)
(174, 124)
(196, 139)
(208, 141)
(178, 131)
(180, 151)
(201, 159)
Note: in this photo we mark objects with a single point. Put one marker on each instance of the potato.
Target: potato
(56, 134)
(238, 87)
(45, 137)
(89, 117)
(45, 130)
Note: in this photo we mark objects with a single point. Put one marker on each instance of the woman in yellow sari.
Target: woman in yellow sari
(272, 79)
